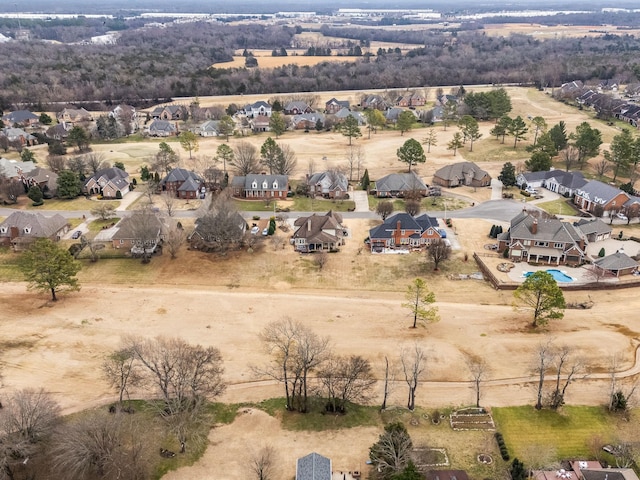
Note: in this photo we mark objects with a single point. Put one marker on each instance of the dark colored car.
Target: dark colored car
(76, 234)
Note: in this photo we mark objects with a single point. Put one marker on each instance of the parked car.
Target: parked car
(76, 234)
(442, 232)
(530, 190)
(265, 231)
(622, 216)
(255, 229)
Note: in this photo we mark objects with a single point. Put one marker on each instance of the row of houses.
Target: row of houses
(592, 196)
(449, 176)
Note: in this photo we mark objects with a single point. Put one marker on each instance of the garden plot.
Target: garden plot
(472, 419)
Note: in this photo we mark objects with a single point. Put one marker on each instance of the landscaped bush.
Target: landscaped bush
(525, 193)
(504, 453)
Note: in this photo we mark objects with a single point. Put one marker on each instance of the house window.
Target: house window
(27, 230)
(265, 185)
(542, 244)
(401, 232)
(275, 185)
(527, 242)
(3, 229)
(121, 242)
(558, 245)
(254, 184)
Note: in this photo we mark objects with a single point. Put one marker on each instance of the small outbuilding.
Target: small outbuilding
(313, 467)
(617, 264)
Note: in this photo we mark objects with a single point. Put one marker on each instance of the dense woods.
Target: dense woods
(154, 63)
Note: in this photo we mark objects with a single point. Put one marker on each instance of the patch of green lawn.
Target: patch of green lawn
(79, 203)
(316, 420)
(557, 207)
(97, 225)
(567, 432)
(295, 204)
(9, 269)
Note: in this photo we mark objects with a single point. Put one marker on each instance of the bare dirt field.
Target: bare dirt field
(556, 31)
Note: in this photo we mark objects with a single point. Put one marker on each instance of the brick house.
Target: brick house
(461, 173)
(334, 106)
(318, 233)
(260, 186)
(399, 185)
(107, 182)
(596, 195)
(182, 183)
(20, 229)
(403, 232)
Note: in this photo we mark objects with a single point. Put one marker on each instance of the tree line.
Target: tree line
(176, 61)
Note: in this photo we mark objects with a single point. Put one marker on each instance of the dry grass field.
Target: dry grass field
(543, 32)
(356, 299)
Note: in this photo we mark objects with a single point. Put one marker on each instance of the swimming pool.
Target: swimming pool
(558, 275)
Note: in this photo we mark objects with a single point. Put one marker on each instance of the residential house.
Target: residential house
(461, 173)
(139, 230)
(20, 229)
(260, 108)
(260, 123)
(593, 230)
(182, 183)
(585, 470)
(318, 233)
(126, 115)
(210, 128)
(570, 88)
(445, 98)
(21, 118)
(411, 99)
(14, 169)
(43, 178)
(162, 128)
(169, 112)
(393, 113)
(18, 135)
(594, 196)
(543, 240)
(307, 121)
(373, 101)
(342, 115)
(329, 184)
(334, 106)
(403, 232)
(399, 185)
(447, 475)
(618, 264)
(260, 186)
(59, 132)
(206, 238)
(109, 182)
(313, 467)
(73, 116)
(629, 113)
(558, 181)
(296, 108)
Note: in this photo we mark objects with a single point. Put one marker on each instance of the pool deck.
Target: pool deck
(580, 274)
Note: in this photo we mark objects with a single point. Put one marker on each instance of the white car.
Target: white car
(622, 216)
(255, 229)
(531, 190)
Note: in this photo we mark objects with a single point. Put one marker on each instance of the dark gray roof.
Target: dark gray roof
(313, 467)
(598, 192)
(407, 222)
(631, 201)
(179, 175)
(162, 126)
(297, 105)
(589, 227)
(333, 181)
(398, 182)
(118, 177)
(616, 261)
(548, 230)
(342, 103)
(281, 180)
(608, 474)
(189, 185)
(19, 116)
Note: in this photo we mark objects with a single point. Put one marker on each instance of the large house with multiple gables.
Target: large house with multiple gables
(404, 232)
(318, 233)
(182, 183)
(595, 195)
(329, 184)
(20, 229)
(108, 182)
(260, 186)
(399, 185)
(558, 181)
(549, 241)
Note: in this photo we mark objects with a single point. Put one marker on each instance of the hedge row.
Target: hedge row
(503, 447)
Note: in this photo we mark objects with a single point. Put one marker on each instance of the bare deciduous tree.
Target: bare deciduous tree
(543, 358)
(245, 159)
(221, 229)
(391, 453)
(603, 166)
(27, 419)
(412, 207)
(438, 251)
(101, 445)
(169, 202)
(388, 382)
(262, 463)
(146, 228)
(176, 237)
(384, 209)
(56, 163)
(296, 352)
(346, 380)
(355, 160)
(286, 162)
(104, 211)
(478, 368)
(566, 369)
(414, 366)
(570, 157)
(95, 162)
(320, 260)
(121, 371)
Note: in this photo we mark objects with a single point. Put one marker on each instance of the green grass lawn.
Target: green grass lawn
(80, 203)
(567, 432)
(97, 225)
(426, 205)
(557, 207)
(295, 204)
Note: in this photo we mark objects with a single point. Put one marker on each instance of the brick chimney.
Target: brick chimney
(309, 224)
(534, 226)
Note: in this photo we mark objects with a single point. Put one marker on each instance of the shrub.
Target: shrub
(601, 253)
(504, 453)
(119, 195)
(256, 217)
(525, 193)
(505, 254)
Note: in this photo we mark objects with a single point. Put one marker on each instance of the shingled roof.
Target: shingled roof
(313, 467)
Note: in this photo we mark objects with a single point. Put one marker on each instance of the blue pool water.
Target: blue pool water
(556, 274)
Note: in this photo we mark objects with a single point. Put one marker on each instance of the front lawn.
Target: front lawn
(79, 203)
(427, 204)
(567, 432)
(295, 204)
(557, 207)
